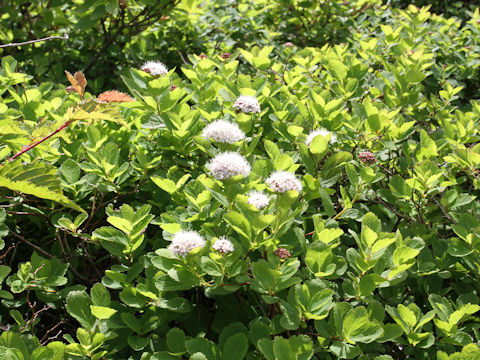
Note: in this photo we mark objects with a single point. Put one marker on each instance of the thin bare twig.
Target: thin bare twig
(39, 249)
(181, 57)
(45, 337)
(64, 37)
(6, 252)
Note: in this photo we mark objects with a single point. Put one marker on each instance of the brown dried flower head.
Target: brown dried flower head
(202, 56)
(366, 157)
(114, 96)
(173, 87)
(226, 56)
(282, 253)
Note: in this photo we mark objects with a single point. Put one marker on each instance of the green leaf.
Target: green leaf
(344, 350)
(403, 254)
(282, 162)
(235, 347)
(367, 285)
(415, 76)
(37, 179)
(113, 240)
(428, 148)
(165, 184)
(358, 328)
(319, 145)
(100, 295)
(328, 235)
(203, 346)
(70, 171)
(9, 65)
(176, 341)
(338, 69)
(102, 312)
(137, 343)
(352, 175)
(78, 306)
(132, 322)
(407, 315)
(282, 349)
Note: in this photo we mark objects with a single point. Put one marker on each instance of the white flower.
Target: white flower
(324, 133)
(247, 104)
(223, 245)
(185, 241)
(282, 181)
(154, 68)
(223, 131)
(229, 164)
(258, 199)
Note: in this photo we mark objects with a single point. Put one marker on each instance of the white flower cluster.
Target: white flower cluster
(223, 245)
(185, 241)
(322, 132)
(229, 164)
(283, 181)
(223, 131)
(247, 104)
(154, 68)
(258, 199)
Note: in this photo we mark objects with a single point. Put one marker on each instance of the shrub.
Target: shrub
(339, 220)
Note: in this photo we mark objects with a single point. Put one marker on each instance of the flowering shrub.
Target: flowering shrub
(187, 219)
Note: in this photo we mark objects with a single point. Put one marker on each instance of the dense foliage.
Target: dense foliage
(295, 188)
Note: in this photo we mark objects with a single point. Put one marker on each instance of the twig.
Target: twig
(64, 37)
(43, 340)
(39, 249)
(8, 250)
(181, 57)
(391, 208)
(447, 215)
(31, 146)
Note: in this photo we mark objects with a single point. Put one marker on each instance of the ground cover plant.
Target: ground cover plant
(288, 191)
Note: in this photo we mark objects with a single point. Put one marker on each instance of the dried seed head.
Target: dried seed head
(226, 55)
(282, 253)
(366, 157)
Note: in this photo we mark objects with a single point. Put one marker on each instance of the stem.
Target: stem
(31, 146)
(345, 208)
(64, 37)
(39, 249)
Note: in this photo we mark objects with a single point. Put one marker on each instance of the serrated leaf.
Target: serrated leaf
(37, 179)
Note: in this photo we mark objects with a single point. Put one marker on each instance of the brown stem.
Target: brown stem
(39, 249)
(6, 252)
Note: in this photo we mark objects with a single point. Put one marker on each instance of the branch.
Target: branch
(39, 249)
(31, 146)
(64, 37)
